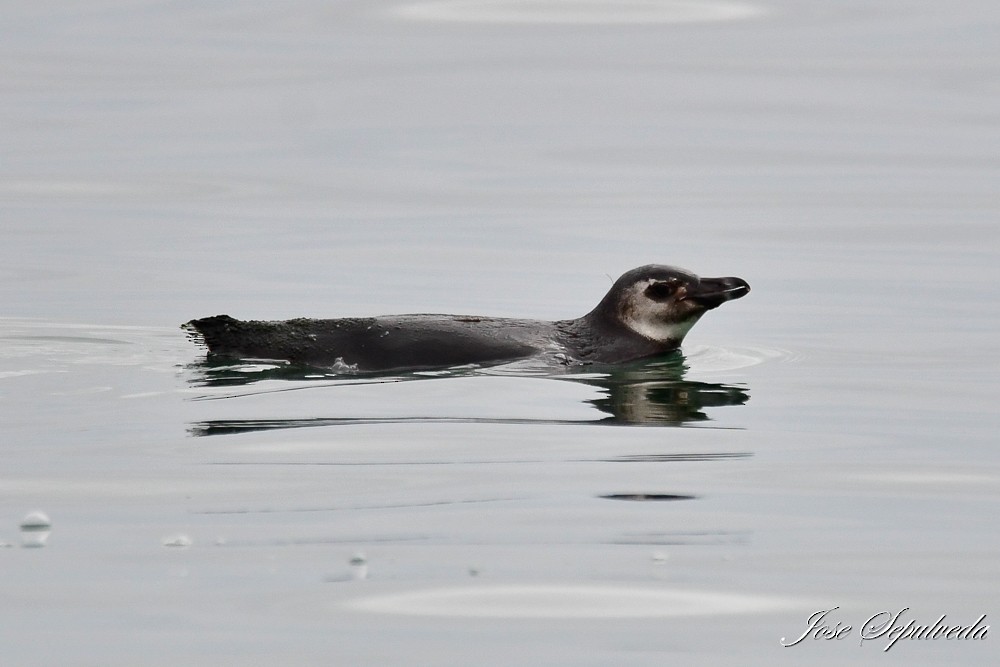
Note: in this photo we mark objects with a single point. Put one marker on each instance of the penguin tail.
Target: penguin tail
(220, 333)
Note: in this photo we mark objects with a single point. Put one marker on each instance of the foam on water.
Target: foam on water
(565, 601)
(595, 12)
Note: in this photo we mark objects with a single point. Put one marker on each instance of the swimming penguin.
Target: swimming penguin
(647, 312)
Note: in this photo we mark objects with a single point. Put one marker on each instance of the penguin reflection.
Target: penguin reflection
(650, 393)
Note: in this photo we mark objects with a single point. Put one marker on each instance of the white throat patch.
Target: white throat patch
(662, 331)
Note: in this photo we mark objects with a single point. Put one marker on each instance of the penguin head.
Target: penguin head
(662, 303)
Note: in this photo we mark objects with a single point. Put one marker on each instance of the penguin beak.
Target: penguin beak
(713, 292)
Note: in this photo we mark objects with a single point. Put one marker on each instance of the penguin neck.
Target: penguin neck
(602, 337)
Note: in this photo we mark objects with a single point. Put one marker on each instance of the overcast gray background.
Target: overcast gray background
(161, 161)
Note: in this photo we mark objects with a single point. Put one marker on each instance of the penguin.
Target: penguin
(646, 313)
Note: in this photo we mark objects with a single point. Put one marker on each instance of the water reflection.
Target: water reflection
(657, 393)
(650, 393)
(213, 372)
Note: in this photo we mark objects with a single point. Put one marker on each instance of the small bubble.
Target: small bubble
(35, 529)
(36, 520)
(179, 540)
(658, 568)
(359, 567)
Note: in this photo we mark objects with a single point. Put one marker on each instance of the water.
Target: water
(828, 441)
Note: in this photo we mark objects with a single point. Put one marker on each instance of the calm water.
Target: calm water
(828, 441)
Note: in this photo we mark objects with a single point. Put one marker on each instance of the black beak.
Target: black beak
(713, 292)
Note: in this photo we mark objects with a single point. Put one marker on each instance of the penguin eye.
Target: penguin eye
(660, 291)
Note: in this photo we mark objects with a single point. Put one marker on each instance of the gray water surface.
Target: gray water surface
(827, 441)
